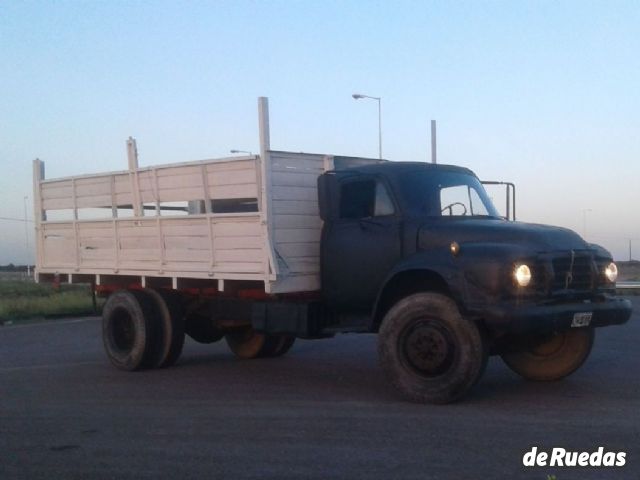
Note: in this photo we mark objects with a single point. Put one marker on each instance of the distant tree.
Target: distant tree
(11, 268)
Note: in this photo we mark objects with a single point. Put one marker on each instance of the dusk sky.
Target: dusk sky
(545, 94)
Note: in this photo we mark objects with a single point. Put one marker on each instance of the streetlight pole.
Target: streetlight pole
(358, 96)
(26, 236)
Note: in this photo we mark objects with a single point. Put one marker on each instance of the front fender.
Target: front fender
(487, 269)
(476, 275)
(437, 267)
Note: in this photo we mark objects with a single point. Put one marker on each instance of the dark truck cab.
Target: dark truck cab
(418, 253)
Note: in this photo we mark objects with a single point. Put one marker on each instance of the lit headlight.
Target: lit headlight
(611, 272)
(522, 274)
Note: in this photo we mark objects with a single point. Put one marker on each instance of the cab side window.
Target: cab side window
(383, 205)
(364, 199)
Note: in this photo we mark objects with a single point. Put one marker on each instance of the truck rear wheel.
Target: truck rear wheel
(247, 343)
(170, 323)
(428, 351)
(552, 357)
(128, 331)
(284, 345)
(202, 329)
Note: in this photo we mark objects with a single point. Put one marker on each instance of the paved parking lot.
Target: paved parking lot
(323, 411)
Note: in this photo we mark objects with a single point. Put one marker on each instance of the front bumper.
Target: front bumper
(550, 318)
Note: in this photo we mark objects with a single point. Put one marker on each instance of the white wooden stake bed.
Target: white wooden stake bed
(251, 218)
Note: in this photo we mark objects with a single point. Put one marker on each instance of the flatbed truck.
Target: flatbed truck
(263, 249)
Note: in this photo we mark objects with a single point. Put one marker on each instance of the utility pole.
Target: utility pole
(434, 153)
(630, 258)
(26, 237)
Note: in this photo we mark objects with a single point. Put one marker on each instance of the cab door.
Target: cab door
(360, 244)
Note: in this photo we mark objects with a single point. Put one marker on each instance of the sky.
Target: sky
(545, 94)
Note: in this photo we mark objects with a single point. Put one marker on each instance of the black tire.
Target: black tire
(277, 345)
(201, 329)
(170, 322)
(129, 334)
(553, 357)
(428, 351)
(284, 345)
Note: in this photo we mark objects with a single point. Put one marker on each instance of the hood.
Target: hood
(530, 236)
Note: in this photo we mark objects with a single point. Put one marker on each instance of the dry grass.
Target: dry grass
(26, 299)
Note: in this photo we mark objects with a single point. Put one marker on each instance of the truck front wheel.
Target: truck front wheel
(428, 351)
(552, 357)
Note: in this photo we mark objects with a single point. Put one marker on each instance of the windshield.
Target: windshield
(447, 194)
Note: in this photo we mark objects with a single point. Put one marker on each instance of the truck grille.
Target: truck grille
(573, 271)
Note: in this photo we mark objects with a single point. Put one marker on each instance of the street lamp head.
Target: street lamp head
(357, 96)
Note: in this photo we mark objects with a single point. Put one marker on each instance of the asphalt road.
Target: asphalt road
(323, 411)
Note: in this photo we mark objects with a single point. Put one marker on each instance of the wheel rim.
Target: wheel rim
(246, 343)
(242, 336)
(549, 347)
(123, 333)
(428, 348)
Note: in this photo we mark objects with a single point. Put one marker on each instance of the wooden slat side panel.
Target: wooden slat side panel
(176, 183)
(185, 245)
(295, 179)
(94, 201)
(57, 203)
(296, 283)
(216, 167)
(293, 207)
(243, 255)
(309, 194)
(122, 184)
(283, 162)
(296, 221)
(191, 178)
(297, 235)
(226, 243)
(186, 242)
(58, 245)
(232, 177)
(300, 250)
(185, 183)
(249, 190)
(97, 244)
(304, 265)
(88, 187)
(62, 189)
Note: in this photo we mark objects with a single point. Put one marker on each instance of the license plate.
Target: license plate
(581, 319)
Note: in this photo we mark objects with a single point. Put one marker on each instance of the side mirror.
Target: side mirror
(510, 203)
(328, 196)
